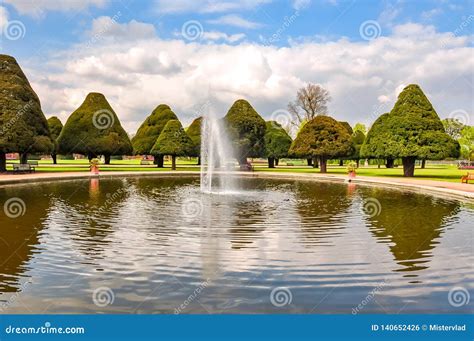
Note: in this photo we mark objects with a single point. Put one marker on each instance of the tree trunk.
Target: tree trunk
(24, 158)
(408, 166)
(310, 162)
(173, 162)
(423, 163)
(315, 162)
(341, 162)
(271, 162)
(3, 162)
(323, 162)
(55, 159)
(107, 159)
(199, 161)
(160, 161)
(277, 161)
(390, 163)
(357, 163)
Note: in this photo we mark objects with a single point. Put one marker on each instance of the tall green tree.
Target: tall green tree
(350, 131)
(453, 127)
(357, 140)
(173, 141)
(467, 143)
(23, 126)
(150, 130)
(94, 129)
(360, 127)
(246, 130)
(277, 142)
(55, 128)
(323, 137)
(376, 144)
(416, 131)
(194, 132)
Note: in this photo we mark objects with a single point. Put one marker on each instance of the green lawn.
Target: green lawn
(435, 172)
(431, 172)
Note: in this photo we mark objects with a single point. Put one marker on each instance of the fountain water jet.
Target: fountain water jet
(217, 157)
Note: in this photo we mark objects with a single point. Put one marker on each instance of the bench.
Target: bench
(145, 162)
(23, 168)
(246, 168)
(467, 177)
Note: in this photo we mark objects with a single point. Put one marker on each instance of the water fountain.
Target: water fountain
(217, 157)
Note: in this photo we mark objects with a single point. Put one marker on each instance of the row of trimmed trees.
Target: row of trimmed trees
(411, 131)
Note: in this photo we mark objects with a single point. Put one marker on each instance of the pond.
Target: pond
(159, 245)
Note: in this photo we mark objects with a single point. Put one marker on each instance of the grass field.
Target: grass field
(431, 172)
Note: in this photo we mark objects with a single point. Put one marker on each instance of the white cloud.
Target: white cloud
(108, 27)
(390, 13)
(429, 15)
(206, 6)
(301, 4)
(363, 78)
(38, 8)
(222, 36)
(235, 20)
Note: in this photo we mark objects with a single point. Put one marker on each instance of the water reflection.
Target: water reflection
(19, 235)
(410, 224)
(139, 237)
(323, 211)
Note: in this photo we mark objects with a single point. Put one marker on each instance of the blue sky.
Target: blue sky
(71, 47)
(323, 19)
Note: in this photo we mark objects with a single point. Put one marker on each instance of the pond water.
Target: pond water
(158, 245)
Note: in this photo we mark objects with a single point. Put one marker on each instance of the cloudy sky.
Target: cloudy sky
(203, 55)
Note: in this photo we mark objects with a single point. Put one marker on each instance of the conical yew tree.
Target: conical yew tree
(150, 130)
(376, 144)
(173, 141)
(416, 132)
(55, 128)
(23, 126)
(277, 142)
(246, 129)
(94, 129)
(194, 132)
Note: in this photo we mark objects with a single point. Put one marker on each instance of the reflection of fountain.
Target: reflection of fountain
(216, 157)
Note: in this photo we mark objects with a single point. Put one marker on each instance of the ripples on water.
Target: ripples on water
(160, 246)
